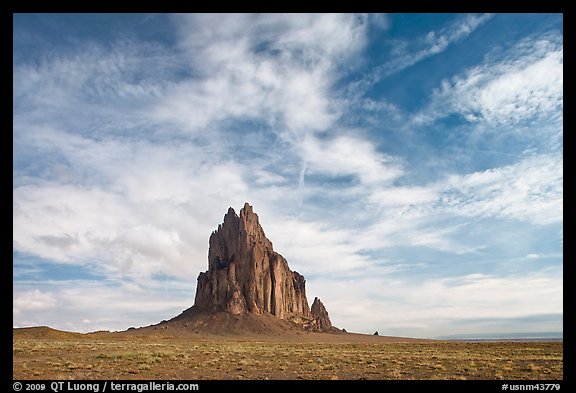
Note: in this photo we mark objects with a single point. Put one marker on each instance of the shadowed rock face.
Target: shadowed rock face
(245, 274)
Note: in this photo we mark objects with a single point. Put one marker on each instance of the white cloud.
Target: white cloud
(525, 85)
(346, 155)
(53, 211)
(267, 178)
(273, 67)
(315, 248)
(437, 42)
(437, 305)
(403, 196)
(406, 54)
(33, 300)
(94, 80)
(530, 191)
(380, 21)
(144, 221)
(115, 234)
(226, 39)
(85, 306)
(433, 215)
(138, 213)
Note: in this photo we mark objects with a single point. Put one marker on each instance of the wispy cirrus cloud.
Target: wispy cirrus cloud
(529, 191)
(276, 68)
(119, 77)
(409, 53)
(524, 84)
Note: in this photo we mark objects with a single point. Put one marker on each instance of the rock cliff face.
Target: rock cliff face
(245, 275)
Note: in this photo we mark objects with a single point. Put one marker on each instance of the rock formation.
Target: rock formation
(246, 276)
(320, 316)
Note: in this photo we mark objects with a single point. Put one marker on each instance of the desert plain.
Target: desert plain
(44, 353)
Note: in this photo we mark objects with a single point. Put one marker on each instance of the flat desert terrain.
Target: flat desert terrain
(44, 353)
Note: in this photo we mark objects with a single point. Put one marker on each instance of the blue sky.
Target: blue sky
(410, 166)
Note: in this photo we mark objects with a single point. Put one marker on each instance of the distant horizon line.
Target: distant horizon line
(503, 336)
(461, 336)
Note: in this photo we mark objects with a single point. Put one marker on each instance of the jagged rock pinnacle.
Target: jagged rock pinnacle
(245, 274)
(320, 316)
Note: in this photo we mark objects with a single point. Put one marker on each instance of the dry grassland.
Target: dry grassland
(163, 358)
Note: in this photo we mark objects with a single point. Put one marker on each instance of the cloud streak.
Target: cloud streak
(526, 85)
(407, 54)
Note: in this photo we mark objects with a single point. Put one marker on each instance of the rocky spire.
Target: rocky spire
(320, 316)
(245, 274)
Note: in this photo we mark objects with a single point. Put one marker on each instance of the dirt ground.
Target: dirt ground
(109, 356)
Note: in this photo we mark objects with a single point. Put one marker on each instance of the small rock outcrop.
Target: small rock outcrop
(320, 316)
(246, 276)
(375, 333)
